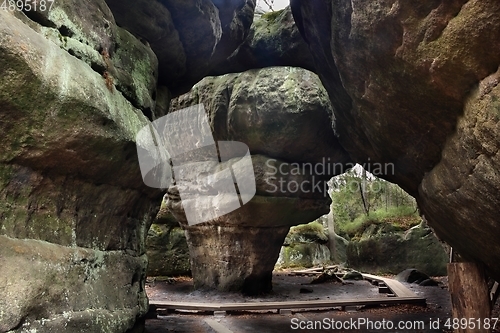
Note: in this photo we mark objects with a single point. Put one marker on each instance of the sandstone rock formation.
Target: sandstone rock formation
(415, 85)
(188, 37)
(283, 115)
(384, 249)
(411, 84)
(76, 87)
(166, 247)
(273, 40)
(73, 208)
(306, 246)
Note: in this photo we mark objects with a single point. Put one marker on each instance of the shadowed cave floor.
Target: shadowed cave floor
(287, 288)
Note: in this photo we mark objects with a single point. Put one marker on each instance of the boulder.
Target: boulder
(280, 112)
(307, 246)
(313, 232)
(303, 255)
(304, 246)
(429, 283)
(412, 275)
(382, 249)
(354, 275)
(273, 40)
(73, 207)
(415, 86)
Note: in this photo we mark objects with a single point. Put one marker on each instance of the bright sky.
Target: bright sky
(278, 4)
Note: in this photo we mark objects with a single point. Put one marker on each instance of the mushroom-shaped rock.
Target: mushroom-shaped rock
(283, 116)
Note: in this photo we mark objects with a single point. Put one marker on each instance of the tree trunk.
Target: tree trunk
(362, 192)
(469, 295)
(386, 195)
(331, 237)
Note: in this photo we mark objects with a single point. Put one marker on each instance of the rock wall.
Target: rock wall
(166, 247)
(189, 37)
(273, 40)
(73, 209)
(76, 87)
(415, 85)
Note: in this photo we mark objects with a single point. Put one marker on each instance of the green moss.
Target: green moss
(495, 107)
(310, 228)
(6, 172)
(64, 41)
(398, 218)
(307, 233)
(156, 229)
(272, 16)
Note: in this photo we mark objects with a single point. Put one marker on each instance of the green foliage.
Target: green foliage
(311, 232)
(271, 16)
(400, 218)
(384, 202)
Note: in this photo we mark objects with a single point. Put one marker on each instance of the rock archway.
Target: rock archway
(416, 86)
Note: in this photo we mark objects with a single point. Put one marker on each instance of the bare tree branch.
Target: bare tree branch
(270, 4)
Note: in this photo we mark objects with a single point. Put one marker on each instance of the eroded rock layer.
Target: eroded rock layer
(76, 87)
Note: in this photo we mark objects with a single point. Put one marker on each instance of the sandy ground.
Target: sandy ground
(286, 288)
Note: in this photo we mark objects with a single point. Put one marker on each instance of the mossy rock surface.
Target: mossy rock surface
(273, 40)
(307, 245)
(74, 210)
(422, 95)
(393, 252)
(167, 251)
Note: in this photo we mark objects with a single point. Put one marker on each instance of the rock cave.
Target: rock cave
(327, 82)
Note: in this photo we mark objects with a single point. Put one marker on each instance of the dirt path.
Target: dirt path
(362, 319)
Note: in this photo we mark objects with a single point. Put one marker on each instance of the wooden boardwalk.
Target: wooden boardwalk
(400, 295)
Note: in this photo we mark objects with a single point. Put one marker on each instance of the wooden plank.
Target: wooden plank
(316, 304)
(314, 269)
(399, 289)
(395, 286)
(309, 270)
(371, 277)
(402, 295)
(304, 273)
